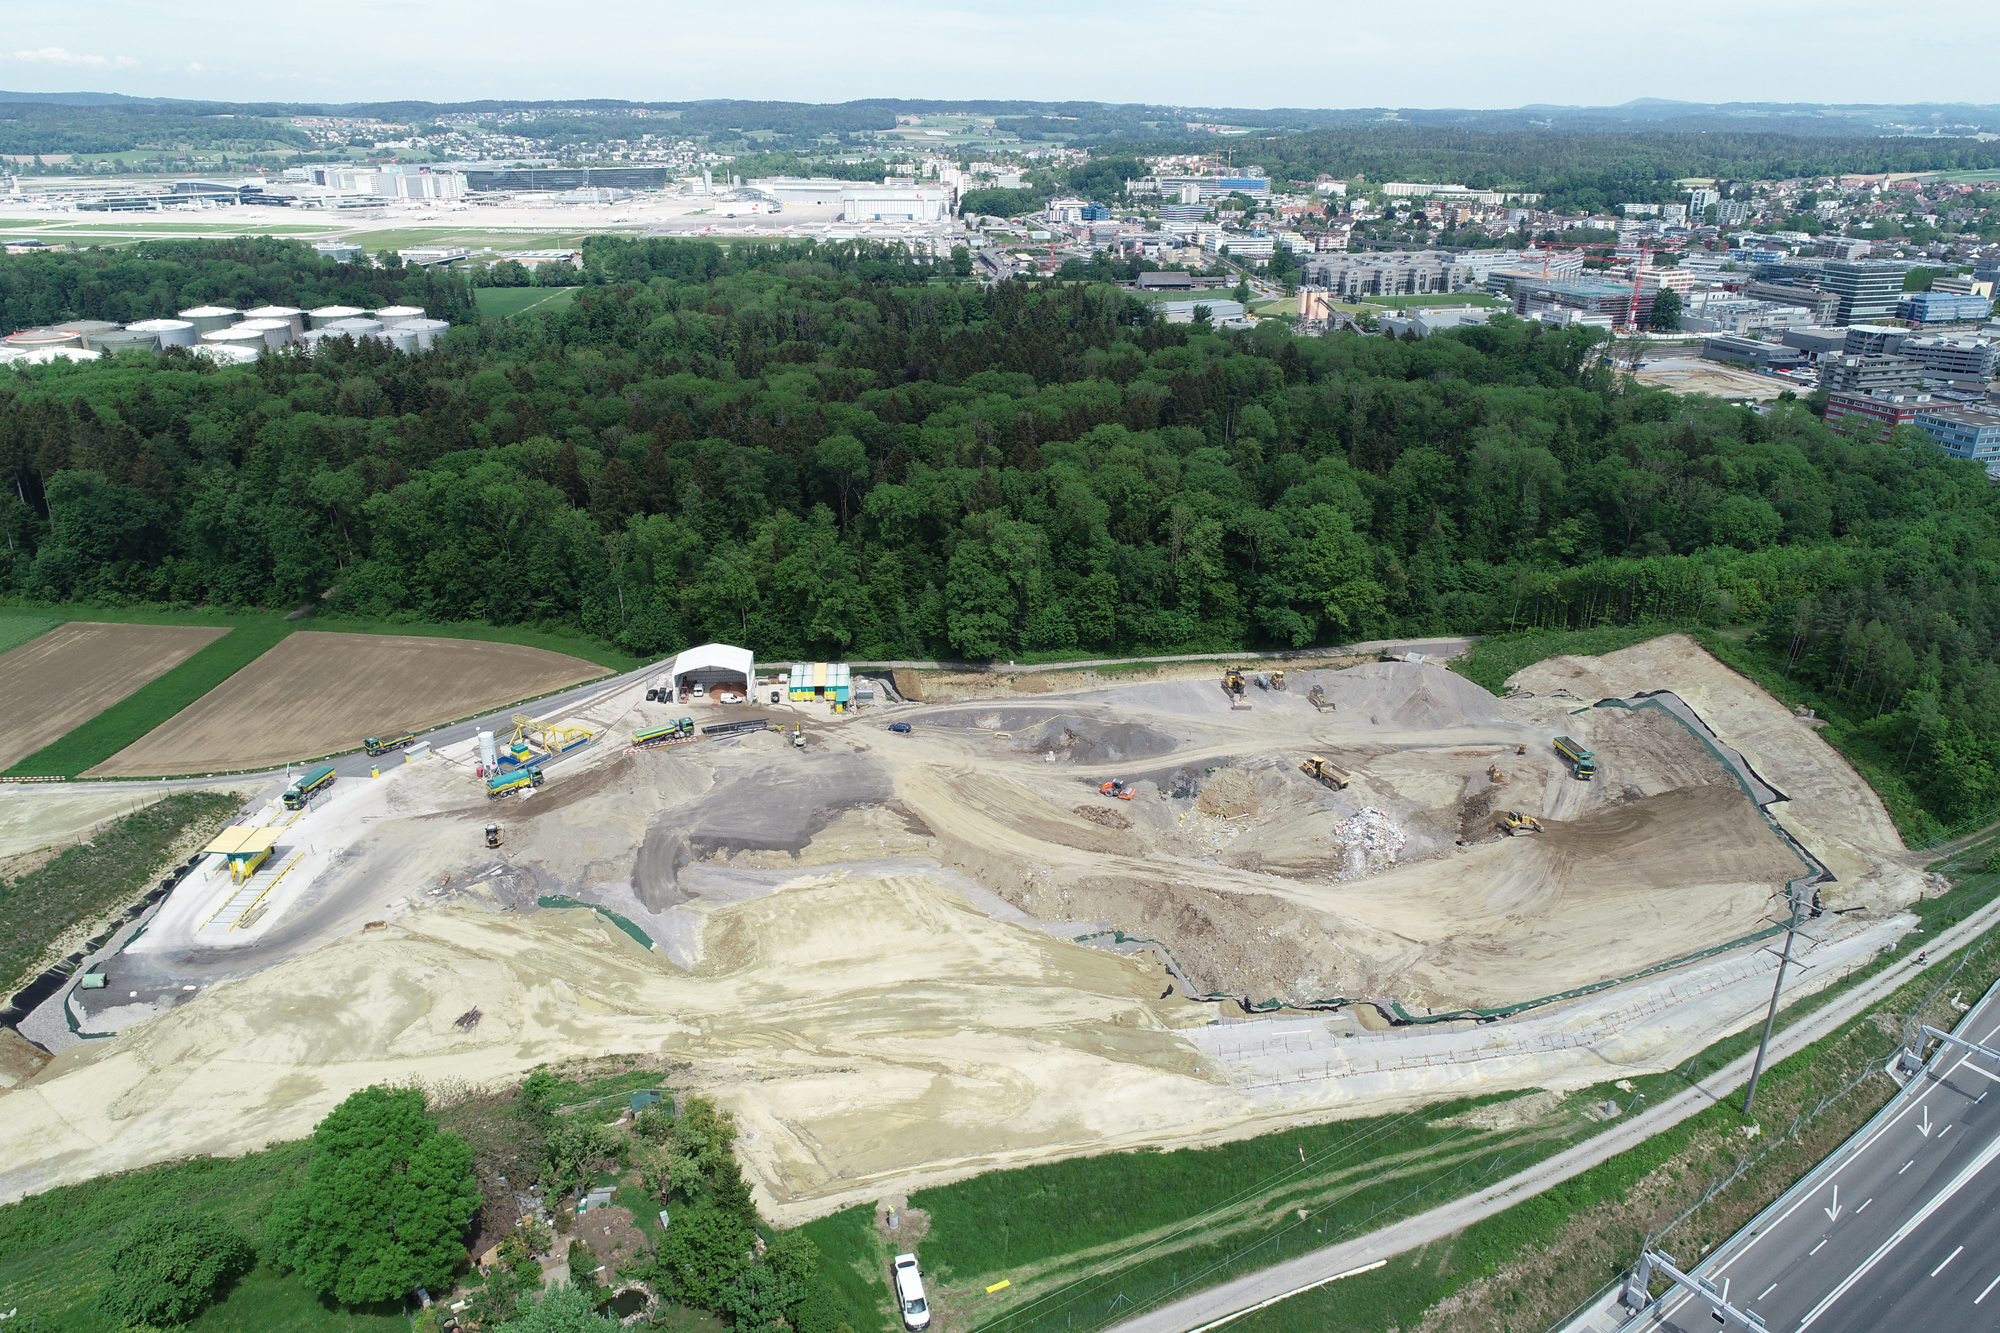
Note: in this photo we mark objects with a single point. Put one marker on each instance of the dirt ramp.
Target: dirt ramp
(1692, 835)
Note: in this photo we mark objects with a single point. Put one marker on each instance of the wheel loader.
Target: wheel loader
(1516, 823)
(1320, 771)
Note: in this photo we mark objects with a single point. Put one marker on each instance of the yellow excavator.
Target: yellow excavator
(1320, 771)
(1317, 698)
(1517, 823)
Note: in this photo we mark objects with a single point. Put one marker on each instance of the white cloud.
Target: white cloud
(56, 55)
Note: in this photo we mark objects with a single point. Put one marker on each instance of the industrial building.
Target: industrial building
(1951, 358)
(1610, 300)
(1422, 323)
(1816, 343)
(826, 682)
(1824, 306)
(715, 667)
(530, 180)
(1750, 352)
(894, 203)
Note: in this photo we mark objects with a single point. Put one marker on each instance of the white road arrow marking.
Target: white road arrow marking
(1833, 1213)
(1925, 1128)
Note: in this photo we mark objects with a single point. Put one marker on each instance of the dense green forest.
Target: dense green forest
(846, 451)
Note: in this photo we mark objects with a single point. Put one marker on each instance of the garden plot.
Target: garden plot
(320, 693)
(63, 678)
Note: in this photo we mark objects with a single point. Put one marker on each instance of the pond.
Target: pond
(627, 1302)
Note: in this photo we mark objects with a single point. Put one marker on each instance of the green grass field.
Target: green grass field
(856, 1260)
(17, 628)
(1499, 656)
(502, 302)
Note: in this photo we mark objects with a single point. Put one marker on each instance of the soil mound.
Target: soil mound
(1411, 696)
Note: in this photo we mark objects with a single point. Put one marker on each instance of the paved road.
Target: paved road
(1898, 1230)
(1230, 1297)
(1455, 646)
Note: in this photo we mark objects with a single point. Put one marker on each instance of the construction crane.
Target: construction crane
(1639, 267)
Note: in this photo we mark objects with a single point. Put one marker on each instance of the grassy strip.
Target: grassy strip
(154, 702)
(1495, 658)
(90, 881)
(855, 1259)
(19, 627)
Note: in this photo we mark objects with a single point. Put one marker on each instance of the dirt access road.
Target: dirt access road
(319, 693)
(54, 683)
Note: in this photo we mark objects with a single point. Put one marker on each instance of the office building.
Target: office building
(1872, 374)
(1841, 247)
(1951, 358)
(1943, 307)
(1963, 432)
(1823, 306)
(1866, 290)
(1401, 273)
(1873, 340)
(1817, 343)
(1873, 414)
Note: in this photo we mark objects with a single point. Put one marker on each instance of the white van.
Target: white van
(910, 1293)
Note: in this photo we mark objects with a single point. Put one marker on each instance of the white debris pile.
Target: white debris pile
(1369, 840)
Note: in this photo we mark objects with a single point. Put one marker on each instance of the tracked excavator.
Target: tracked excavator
(1320, 771)
(1517, 823)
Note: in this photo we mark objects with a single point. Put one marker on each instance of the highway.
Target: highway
(1900, 1229)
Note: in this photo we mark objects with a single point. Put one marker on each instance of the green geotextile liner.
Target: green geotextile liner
(645, 940)
(1394, 1011)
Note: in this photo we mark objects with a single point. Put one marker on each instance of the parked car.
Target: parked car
(910, 1293)
(698, 690)
(900, 728)
(727, 697)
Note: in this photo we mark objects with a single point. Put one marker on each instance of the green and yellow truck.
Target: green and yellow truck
(376, 745)
(506, 784)
(312, 782)
(1581, 762)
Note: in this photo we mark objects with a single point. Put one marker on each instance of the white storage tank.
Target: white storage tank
(125, 340)
(31, 340)
(392, 315)
(428, 331)
(277, 332)
(329, 314)
(355, 328)
(292, 315)
(229, 355)
(403, 340)
(41, 356)
(238, 336)
(207, 318)
(170, 332)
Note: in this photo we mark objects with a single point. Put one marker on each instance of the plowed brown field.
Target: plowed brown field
(318, 693)
(74, 672)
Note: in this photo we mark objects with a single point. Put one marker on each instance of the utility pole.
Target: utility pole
(1770, 1017)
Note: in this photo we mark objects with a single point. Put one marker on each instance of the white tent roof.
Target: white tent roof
(716, 656)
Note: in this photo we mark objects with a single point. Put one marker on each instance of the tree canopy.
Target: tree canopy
(385, 1204)
(172, 1265)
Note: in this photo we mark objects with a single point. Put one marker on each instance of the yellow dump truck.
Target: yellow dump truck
(1320, 771)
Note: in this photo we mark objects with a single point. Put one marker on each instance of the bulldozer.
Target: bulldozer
(1517, 823)
(1495, 775)
(1232, 682)
(1117, 788)
(1320, 771)
(1317, 698)
(1277, 680)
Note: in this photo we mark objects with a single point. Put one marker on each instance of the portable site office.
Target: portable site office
(828, 681)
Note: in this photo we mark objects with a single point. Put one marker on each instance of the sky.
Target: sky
(1248, 53)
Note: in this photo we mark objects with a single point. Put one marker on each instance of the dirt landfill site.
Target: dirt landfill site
(900, 958)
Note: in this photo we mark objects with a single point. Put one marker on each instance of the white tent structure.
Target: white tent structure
(715, 666)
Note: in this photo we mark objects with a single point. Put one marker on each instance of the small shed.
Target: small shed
(644, 1098)
(244, 848)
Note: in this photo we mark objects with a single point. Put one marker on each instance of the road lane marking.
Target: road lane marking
(1817, 1248)
(1947, 1259)
(1907, 1165)
(1983, 1073)
(1864, 1207)
(1989, 1291)
(1946, 1130)
(1922, 1215)
(1774, 1286)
